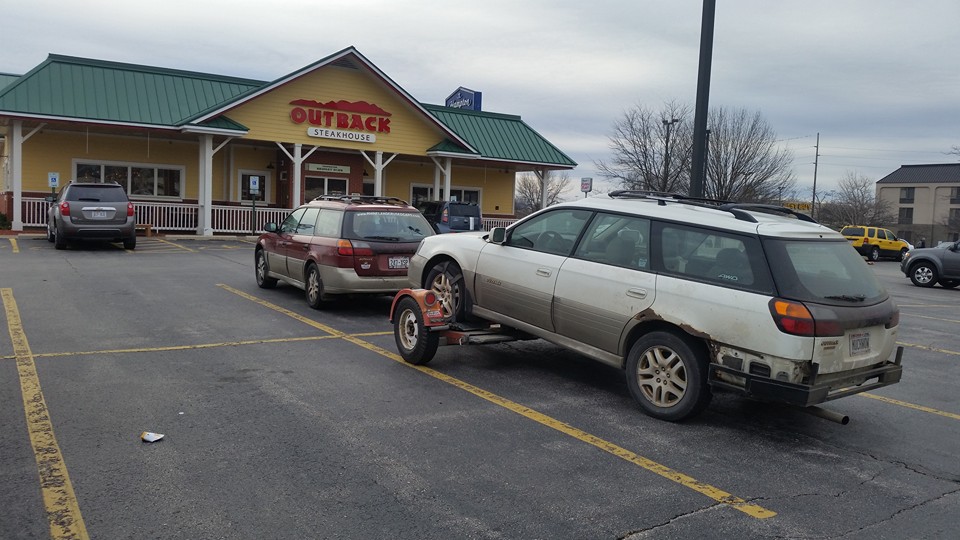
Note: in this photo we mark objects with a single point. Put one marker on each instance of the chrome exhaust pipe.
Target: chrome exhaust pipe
(833, 416)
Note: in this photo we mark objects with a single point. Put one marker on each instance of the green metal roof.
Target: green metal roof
(112, 92)
(80, 88)
(7, 78)
(500, 136)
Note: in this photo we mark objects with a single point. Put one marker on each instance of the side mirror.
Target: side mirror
(270, 227)
(498, 235)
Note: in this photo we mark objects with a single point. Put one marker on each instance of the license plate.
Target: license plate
(99, 214)
(859, 343)
(397, 263)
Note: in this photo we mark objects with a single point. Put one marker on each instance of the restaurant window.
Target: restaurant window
(420, 193)
(906, 195)
(955, 195)
(905, 217)
(245, 194)
(315, 186)
(137, 179)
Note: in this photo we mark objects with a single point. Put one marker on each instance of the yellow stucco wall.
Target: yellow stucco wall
(496, 186)
(268, 115)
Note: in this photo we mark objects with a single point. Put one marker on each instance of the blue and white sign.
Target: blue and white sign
(53, 179)
(255, 184)
(465, 98)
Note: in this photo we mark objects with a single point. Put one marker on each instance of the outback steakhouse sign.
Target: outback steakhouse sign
(356, 121)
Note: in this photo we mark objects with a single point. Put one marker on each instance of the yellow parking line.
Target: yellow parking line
(928, 348)
(190, 347)
(14, 245)
(712, 492)
(185, 248)
(929, 317)
(910, 405)
(63, 510)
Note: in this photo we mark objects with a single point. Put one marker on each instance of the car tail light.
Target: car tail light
(348, 248)
(794, 318)
(445, 216)
(129, 209)
(64, 209)
(894, 319)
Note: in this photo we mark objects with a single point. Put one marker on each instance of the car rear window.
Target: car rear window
(822, 271)
(464, 210)
(852, 231)
(96, 194)
(386, 226)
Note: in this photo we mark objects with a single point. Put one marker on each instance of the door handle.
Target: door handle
(637, 293)
(545, 272)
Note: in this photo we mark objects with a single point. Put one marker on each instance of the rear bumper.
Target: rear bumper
(117, 231)
(819, 390)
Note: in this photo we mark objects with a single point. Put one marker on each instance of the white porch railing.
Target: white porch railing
(180, 217)
(489, 223)
(175, 217)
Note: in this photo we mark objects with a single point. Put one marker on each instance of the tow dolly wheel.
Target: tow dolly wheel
(416, 343)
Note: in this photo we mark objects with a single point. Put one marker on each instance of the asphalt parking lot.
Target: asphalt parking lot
(284, 422)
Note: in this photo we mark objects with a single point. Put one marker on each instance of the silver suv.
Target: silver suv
(685, 295)
(91, 211)
(928, 266)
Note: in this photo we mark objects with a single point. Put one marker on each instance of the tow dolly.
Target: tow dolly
(422, 322)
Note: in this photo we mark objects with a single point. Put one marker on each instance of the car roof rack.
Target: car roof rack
(362, 199)
(739, 210)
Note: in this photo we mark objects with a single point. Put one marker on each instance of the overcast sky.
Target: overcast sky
(878, 79)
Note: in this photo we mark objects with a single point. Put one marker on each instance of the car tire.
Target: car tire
(874, 253)
(923, 274)
(446, 281)
(949, 283)
(262, 270)
(59, 242)
(416, 343)
(313, 287)
(903, 253)
(667, 375)
(130, 243)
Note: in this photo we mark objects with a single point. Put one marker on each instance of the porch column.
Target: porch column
(378, 165)
(447, 166)
(297, 175)
(205, 191)
(16, 169)
(445, 169)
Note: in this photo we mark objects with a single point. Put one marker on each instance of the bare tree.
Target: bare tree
(855, 203)
(651, 150)
(529, 195)
(743, 161)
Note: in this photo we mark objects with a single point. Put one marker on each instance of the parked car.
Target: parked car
(875, 242)
(338, 245)
(452, 216)
(685, 296)
(928, 266)
(91, 211)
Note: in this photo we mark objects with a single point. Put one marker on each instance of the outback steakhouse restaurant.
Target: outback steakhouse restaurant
(188, 147)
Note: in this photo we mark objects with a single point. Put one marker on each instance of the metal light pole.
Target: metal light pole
(703, 99)
(666, 153)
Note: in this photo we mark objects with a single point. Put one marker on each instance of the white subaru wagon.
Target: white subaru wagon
(685, 295)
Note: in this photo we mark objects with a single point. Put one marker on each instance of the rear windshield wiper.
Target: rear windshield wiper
(390, 238)
(847, 297)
